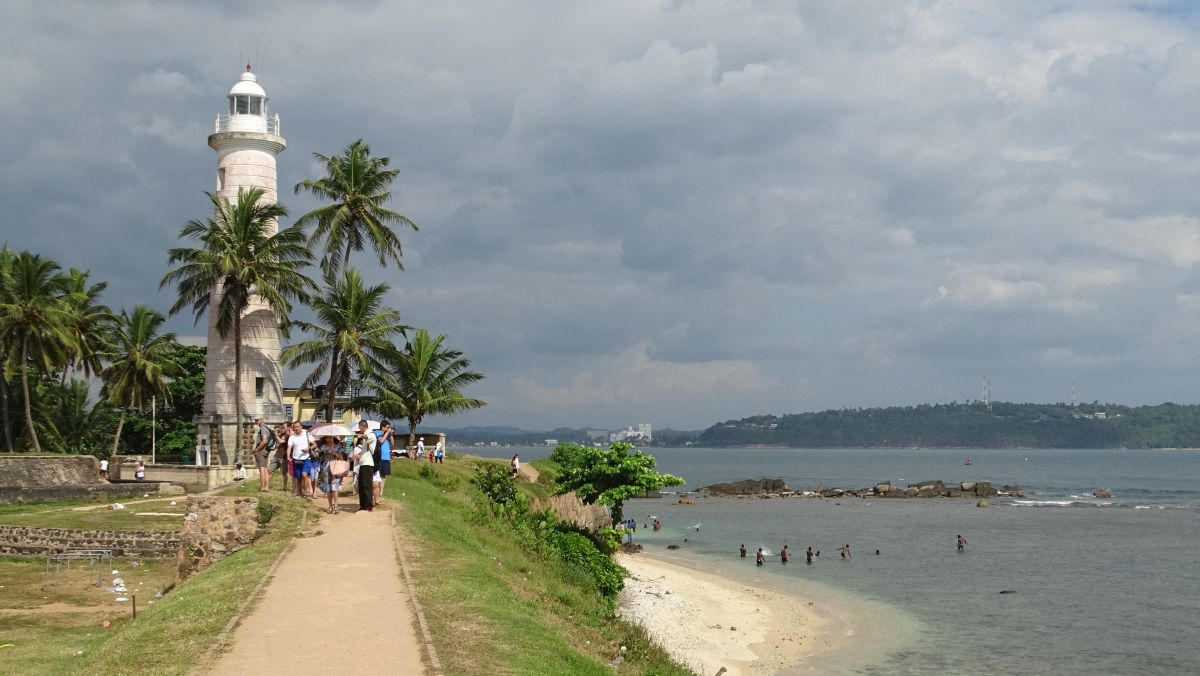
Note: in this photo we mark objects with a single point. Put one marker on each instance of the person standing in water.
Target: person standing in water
(962, 542)
(808, 556)
(845, 552)
(783, 555)
(742, 551)
(759, 559)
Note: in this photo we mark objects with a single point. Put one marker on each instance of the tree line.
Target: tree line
(58, 338)
(970, 425)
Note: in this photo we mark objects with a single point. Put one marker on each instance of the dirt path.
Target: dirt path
(529, 472)
(337, 604)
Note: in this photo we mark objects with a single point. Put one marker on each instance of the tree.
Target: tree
(174, 424)
(34, 319)
(89, 324)
(240, 258)
(140, 362)
(356, 185)
(425, 379)
(352, 331)
(82, 426)
(6, 282)
(608, 476)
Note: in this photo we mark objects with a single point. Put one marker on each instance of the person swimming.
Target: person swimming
(742, 551)
(962, 542)
(845, 552)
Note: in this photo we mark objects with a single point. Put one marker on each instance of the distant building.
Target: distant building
(308, 405)
(551, 442)
(640, 434)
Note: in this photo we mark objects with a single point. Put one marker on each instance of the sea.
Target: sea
(1058, 582)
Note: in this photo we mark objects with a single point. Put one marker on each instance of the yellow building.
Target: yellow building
(307, 405)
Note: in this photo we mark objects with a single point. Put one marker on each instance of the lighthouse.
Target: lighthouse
(247, 140)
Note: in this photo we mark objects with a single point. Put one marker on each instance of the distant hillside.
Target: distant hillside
(969, 425)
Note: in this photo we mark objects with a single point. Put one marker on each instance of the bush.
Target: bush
(433, 476)
(578, 551)
(493, 481)
(266, 512)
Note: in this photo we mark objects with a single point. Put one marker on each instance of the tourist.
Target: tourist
(420, 448)
(333, 470)
(103, 468)
(962, 542)
(139, 471)
(808, 556)
(283, 459)
(300, 446)
(783, 555)
(364, 463)
(516, 465)
(383, 454)
(742, 551)
(264, 443)
(845, 552)
(658, 527)
(439, 453)
(759, 557)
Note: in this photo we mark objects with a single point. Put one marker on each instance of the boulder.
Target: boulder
(984, 489)
(981, 503)
(883, 488)
(968, 486)
(911, 491)
(686, 501)
(1101, 493)
(833, 493)
(747, 487)
(1014, 491)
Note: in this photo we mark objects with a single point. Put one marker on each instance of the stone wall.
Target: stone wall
(214, 528)
(26, 541)
(31, 471)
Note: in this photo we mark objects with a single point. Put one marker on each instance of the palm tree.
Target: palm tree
(81, 425)
(141, 359)
(89, 324)
(352, 331)
(6, 263)
(356, 185)
(425, 379)
(240, 257)
(34, 319)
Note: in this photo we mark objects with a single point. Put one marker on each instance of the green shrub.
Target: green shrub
(493, 480)
(579, 552)
(266, 512)
(433, 476)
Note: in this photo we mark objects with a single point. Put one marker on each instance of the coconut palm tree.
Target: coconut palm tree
(89, 324)
(140, 361)
(6, 263)
(352, 332)
(239, 257)
(356, 187)
(34, 319)
(425, 379)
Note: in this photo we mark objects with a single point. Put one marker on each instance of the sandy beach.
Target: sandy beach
(708, 622)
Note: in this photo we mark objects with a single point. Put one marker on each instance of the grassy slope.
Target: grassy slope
(168, 637)
(494, 608)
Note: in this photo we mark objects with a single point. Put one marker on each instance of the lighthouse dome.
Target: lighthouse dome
(247, 85)
(247, 98)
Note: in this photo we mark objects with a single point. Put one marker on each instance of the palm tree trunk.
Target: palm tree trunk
(346, 258)
(117, 436)
(37, 446)
(412, 432)
(8, 441)
(237, 386)
(331, 388)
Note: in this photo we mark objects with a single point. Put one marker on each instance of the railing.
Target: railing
(247, 122)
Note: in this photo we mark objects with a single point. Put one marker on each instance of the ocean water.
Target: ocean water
(1094, 586)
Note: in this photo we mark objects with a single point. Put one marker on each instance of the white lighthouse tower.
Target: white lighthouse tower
(247, 140)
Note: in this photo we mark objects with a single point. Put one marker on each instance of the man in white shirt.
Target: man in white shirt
(299, 446)
(364, 460)
(420, 448)
(103, 468)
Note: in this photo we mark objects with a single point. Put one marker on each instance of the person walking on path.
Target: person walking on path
(383, 454)
(282, 457)
(516, 465)
(364, 460)
(264, 443)
(962, 542)
(300, 446)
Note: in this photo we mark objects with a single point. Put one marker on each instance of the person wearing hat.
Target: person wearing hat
(420, 448)
(264, 443)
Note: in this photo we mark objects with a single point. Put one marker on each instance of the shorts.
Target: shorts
(375, 478)
(385, 468)
(260, 459)
(297, 467)
(310, 468)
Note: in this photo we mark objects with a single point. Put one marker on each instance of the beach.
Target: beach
(708, 622)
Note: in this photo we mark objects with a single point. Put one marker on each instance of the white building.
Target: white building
(247, 141)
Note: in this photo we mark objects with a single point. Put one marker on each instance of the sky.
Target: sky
(673, 212)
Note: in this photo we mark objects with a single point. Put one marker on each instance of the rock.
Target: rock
(732, 628)
(672, 546)
(984, 489)
(747, 487)
(1014, 491)
(686, 501)
(981, 503)
(911, 491)
(967, 486)
(883, 488)
(832, 493)
(1008, 591)
(1101, 493)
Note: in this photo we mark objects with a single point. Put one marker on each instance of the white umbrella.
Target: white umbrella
(331, 430)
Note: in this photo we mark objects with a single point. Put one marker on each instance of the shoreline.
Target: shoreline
(706, 621)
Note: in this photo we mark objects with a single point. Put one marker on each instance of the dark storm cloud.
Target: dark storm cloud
(677, 212)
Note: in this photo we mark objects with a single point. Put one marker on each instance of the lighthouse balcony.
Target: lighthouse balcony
(248, 122)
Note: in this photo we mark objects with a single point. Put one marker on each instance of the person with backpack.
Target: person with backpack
(264, 443)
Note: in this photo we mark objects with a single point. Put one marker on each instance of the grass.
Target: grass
(169, 637)
(495, 608)
(70, 514)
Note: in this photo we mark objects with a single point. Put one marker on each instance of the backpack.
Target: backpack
(263, 430)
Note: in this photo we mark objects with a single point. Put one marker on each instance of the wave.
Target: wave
(1093, 503)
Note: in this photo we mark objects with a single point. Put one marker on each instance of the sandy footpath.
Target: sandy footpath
(337, 604)
(708, 622)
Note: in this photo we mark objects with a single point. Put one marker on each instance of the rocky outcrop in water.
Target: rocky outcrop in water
(747, 487)
(932, 488)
